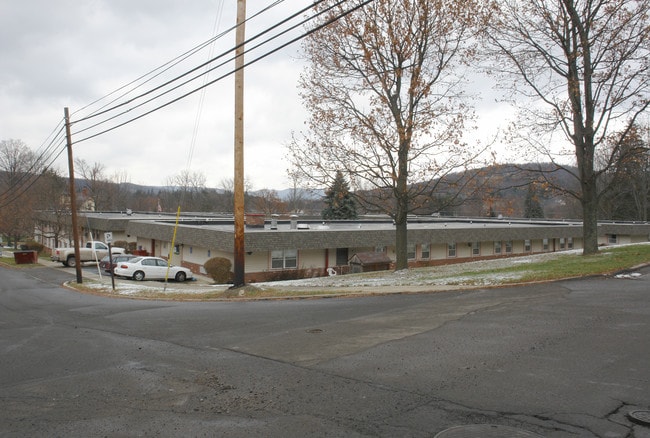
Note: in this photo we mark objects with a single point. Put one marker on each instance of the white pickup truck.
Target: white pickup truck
(93, 251)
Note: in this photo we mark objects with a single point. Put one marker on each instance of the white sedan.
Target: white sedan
(151, 268)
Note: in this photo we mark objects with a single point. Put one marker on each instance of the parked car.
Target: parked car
(151, 268)
(105, 263)
(92, 252)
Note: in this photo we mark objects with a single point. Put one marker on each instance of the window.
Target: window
(545, 244)
(209, 253)
(381, 249)
(562, 243)
(612, 238)
(509, 247)
(410, 251)
(527, 246)
(497, 247)
(342, 256)
(284, 259)
(451, 249)
(425, 251)
(177, 249)
(569, 243)
(476, 248)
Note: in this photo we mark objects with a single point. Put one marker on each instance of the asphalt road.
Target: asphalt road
(563, 359)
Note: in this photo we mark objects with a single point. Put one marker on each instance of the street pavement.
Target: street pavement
(562, 359)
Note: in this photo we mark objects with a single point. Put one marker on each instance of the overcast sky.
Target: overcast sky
(68, 53)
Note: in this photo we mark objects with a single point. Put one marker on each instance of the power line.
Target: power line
(189, 93)
(48, 154)
(194, 69)
(163, 68)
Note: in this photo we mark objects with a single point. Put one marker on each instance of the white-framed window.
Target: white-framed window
(562, 243)
(284, 259)
(612, 239)
(569, 243)
(410, 251)
(509, 247)
(476, 248)
(451, 249)
(545, 244)
(527, 246)
(497, 247)
(381, 249)
(425, 251)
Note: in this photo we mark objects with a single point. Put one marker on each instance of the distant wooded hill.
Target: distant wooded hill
(494, 190)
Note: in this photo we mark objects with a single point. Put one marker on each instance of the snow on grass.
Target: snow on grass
(483, 273)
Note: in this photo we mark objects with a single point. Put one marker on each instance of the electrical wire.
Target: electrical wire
(39, 165)
(53, 151)
(164, 68)
(194, 69)
(229, 73)
(199, 110)
(48, 156)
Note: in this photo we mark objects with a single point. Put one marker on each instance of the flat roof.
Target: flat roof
(212, 230)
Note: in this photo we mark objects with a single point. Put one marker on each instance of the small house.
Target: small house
(369, 261)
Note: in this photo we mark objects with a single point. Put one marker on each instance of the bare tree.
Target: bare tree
(96, 189)
(625, 181)
(53, 202)
(120, 194)
(19, 170)
(227, 186)
(579, 67)
(268, 202)
(187, 188)
(296, 199)
(386, 102)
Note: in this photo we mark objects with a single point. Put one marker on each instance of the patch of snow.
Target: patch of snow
(630, 275)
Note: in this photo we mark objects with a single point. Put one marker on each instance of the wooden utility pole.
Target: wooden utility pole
(239, 254)
(73, 197)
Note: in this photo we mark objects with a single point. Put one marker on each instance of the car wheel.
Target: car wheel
(138, 275)
(181, 276)
(71, 262)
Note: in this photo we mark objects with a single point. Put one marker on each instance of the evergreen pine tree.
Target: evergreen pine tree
(339, 203)
(532, 206)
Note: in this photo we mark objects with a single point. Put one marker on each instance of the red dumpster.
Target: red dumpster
(25, 257)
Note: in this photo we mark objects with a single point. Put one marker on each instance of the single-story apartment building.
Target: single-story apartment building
(293, 247)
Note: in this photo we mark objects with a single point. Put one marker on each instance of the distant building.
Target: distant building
(295, 247)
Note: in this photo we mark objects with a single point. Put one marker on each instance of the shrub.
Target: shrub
(218, 268)
(292, 274)
(30, 245)
(119, 243)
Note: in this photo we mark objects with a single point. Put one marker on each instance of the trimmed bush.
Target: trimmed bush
(218, 268)
(30, 245)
